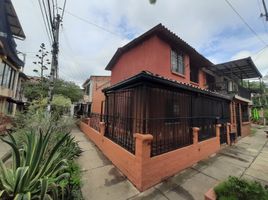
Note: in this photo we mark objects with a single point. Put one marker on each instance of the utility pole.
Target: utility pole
(265, 11)
(54, 63)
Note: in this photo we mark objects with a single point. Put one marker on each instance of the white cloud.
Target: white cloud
(210, 26)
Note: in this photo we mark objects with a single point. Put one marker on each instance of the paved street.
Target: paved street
(248, 158)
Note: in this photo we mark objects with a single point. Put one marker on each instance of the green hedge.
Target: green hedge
(240, 189)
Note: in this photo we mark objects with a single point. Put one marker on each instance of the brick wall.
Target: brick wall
(143, 170)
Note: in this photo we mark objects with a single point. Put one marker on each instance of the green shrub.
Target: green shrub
(240, 189)
(32, 174)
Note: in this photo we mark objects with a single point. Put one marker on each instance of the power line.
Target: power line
(72, 51)
(93, 24)
(244, 21)
(63, 9)
(263, 20)
(44, 20)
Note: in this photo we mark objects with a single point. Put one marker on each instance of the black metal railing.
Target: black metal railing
(168, 133)
(244, 92)
(121, 131)
(207, 127)
(95, 119)
(231, 88)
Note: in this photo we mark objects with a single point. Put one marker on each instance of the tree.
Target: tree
(39, 90)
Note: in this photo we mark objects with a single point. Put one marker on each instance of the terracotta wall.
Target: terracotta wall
(245, 129)
(99, 83)
(143, 170)
(152, 55)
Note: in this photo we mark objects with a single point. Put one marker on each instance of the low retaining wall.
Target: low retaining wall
(245, 129)
(145, 171)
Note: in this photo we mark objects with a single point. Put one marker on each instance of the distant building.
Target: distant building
(93, 96)
(11, 66)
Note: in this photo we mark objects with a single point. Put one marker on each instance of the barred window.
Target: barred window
(177, 64)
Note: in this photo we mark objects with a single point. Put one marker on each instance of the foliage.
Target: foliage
(240, 189)
(34, 174)
(35, 90)
(39, 90)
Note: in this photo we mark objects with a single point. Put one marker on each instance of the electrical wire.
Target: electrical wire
(63, 9)
(247, 25)
(48, 21)
(93, 24)
(46, 28)
(262, 19)
(72, 52)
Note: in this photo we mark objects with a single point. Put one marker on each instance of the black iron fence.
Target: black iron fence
(168, 133)
(229, 87)
(244, 92)
(95, 119)
(168, 114)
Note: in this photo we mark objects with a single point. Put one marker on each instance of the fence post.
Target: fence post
(102, 128)
(218, 132)
(228, 133)
(88, 121)
(143, 154)
(195, 135)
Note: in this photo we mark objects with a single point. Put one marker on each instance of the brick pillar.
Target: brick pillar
(195, 135)
(218, 126)
(102, 128)
(143, 155)
(228, 133)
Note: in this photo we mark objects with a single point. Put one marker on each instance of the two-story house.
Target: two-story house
(10, 64)
(169, 107)
(160, 56)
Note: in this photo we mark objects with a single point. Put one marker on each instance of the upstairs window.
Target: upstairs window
(177, 64)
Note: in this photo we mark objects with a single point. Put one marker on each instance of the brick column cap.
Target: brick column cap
(143, 137)
(218, 125)
(196, 129)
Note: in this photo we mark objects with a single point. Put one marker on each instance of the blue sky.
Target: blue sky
(209, 26)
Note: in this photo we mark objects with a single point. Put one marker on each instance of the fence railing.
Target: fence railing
(168, 133)
(95, 119)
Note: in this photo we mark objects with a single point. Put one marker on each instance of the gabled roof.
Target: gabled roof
(9, 28)
(155, 78)
(237, 69)
(13, 20)
(166, 35)
(94, 76)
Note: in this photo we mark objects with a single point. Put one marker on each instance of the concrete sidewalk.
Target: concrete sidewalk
(101, 180)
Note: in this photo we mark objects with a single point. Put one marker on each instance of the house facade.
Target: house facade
(11, 66)
(169, 107)
(94, 98)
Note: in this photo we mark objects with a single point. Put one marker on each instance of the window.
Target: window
(88, 89)
(244, 111)
(2, 67)
(177, 64)
(194, 74)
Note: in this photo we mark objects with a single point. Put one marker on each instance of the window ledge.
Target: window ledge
(194, 83)
(178, 74)
(245, 123)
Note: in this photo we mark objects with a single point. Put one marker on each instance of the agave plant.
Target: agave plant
(33, 174)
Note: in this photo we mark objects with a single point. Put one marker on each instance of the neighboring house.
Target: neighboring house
(93, 96)
(169, 107)
(10, 64)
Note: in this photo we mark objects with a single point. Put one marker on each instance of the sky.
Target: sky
(92, 30)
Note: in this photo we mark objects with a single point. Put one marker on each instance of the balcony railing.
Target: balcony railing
(229, 88)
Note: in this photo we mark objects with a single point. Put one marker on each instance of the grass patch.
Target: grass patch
(240, 189)
(253, 131)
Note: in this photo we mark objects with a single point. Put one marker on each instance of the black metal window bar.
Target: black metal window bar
(168, 115)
